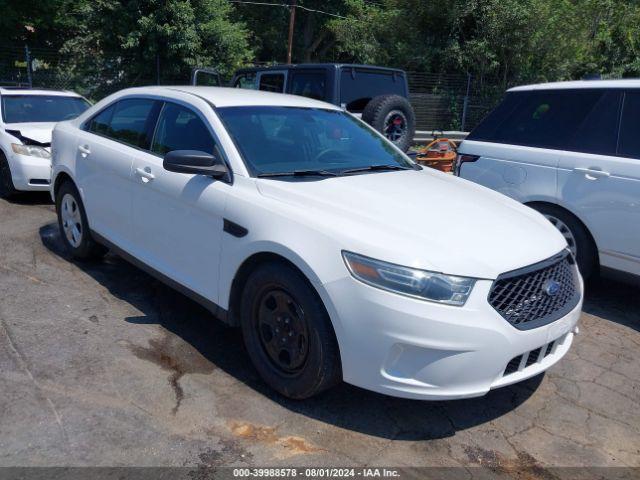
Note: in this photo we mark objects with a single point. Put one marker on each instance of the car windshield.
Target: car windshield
(41, 108)
(307, 141)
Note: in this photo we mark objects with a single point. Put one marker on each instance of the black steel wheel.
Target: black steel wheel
(287, 332)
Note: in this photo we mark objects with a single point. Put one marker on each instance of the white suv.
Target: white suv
(570, 150)
(27, 118)
(337, 256)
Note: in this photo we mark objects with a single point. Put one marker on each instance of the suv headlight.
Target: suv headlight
(30, 150)
(431, 286)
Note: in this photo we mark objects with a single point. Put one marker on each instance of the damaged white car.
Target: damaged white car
(27, 118)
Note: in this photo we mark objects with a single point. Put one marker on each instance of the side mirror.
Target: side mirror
(195, 162)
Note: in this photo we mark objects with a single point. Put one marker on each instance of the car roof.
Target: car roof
(237, 97)
(36, 91)
(580, 84)
(301, 66)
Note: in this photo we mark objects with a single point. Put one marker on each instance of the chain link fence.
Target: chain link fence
(441, 101)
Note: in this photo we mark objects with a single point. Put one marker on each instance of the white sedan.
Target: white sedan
(27, 117)
(339, 257)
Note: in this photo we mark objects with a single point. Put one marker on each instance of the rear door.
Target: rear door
(599, 180)
(177, 217)
(103, 165)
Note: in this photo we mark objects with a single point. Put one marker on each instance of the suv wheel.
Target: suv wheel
(7, 189)
(73, 224)
(393, 116)
(288, 333)
(578, 238)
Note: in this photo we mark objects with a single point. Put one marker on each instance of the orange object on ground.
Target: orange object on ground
(439, 154)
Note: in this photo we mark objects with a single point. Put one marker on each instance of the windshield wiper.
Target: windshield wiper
(373, 168)
(299, 173)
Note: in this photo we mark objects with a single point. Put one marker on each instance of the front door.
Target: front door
(178, 218)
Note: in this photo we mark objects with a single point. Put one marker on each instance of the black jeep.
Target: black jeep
(379, 94)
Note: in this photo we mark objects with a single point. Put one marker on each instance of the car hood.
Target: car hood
(423, 219)
(40, 132)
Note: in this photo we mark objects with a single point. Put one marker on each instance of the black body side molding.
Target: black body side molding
(234, 229)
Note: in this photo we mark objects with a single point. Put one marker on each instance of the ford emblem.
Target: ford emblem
(551, 287)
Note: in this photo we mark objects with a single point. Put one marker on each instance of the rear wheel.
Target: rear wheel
(578, 238)
(393, 116)
(7, 189)
(73, 224)
(287, 332)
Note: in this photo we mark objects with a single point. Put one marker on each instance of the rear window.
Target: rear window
(358, 86)
(41, 108)
(556, 119)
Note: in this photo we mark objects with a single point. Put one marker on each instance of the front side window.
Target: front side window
(272, 82)
(285, 139)
(41, 108)
(99, 124)
(180, 128)
(630, 126)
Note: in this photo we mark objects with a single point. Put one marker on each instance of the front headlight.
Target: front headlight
(431, 286)
(30, 150)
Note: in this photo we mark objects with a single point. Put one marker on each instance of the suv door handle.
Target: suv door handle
(84, 150)
(145, 173)
(591, 173)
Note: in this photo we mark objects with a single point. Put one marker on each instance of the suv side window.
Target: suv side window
(547, 118)
(309, 84)
(132, 122)
(272, 82)
(245, 80)
(629, 145)
(180, 128)
(598, 134)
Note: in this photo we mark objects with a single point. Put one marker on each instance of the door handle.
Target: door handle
(591, 173)
(84, 150)
(145, 173)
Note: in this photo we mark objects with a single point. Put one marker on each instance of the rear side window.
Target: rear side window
(598, 134)
(629, 145)
(272, 82)
(245, 80)
(100, 123)
(131, 121)
(309, 84)
(180, 128)
(543, 118)
(358, 86)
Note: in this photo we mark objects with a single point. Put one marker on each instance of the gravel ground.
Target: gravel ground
(101, 365)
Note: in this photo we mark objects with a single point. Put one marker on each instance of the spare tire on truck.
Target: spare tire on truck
(393, 116)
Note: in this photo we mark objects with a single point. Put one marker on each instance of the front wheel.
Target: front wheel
(288, 333)
(73, 224)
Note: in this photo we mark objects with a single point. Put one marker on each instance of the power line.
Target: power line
(268, 4)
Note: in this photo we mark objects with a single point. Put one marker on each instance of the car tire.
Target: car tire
(7, 189)
(288, 333)
(393, 116)
(73, 224)
(578, 237)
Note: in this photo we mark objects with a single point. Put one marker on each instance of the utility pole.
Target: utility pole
(27, 57)
(292, 21)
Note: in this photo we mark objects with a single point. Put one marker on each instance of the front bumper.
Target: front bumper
(412, 348)
(30, 173)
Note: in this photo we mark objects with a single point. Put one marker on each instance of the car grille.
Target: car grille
(516, 364)
(539, 294)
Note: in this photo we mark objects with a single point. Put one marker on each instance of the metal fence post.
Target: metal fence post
(27, 57)
(465, 105)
